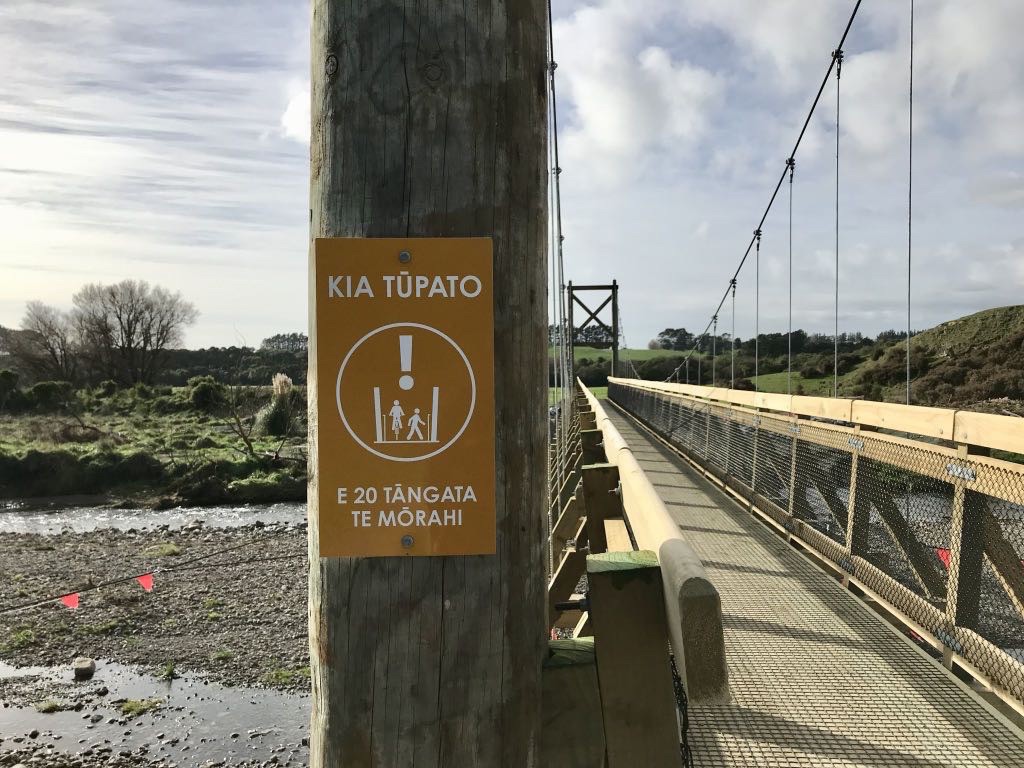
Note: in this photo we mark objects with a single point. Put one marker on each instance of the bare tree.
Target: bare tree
(126, 328)
(47, 346)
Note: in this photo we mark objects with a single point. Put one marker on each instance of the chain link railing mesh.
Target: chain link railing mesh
(937, 534)
(822, 494)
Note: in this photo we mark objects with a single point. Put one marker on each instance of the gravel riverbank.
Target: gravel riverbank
(238, 616)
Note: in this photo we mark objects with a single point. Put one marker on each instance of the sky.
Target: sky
(169, 142)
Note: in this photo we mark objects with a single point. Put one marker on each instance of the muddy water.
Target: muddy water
(197, 721)
(19, 519)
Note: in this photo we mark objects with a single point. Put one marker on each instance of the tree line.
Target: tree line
(131, 333)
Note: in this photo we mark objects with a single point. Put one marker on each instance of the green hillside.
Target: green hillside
(965, 362)
(975, 361)
(982, 329)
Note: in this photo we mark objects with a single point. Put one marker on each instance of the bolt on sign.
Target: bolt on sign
(405, 404)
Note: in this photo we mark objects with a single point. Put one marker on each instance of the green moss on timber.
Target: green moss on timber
(567, 653)
(621, 561)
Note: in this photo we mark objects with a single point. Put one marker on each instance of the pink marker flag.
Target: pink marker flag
(145, 581)
(71, 601)
(943, 556)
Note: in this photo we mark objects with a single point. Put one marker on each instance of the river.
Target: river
(21, 518)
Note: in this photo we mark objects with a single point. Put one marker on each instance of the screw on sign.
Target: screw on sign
(405, 405)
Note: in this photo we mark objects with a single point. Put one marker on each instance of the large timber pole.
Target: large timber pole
(428, 119)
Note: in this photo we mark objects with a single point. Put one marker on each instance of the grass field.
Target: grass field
(776, 382)
(553, 393)
(145, 443)
(593, 353)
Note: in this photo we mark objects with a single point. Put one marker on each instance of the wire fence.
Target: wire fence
(933, 529)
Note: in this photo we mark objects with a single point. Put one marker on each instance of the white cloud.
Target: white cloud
(628, 99)
(174, 151)
(295, 122)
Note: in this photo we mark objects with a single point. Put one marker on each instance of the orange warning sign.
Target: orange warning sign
(405, 396)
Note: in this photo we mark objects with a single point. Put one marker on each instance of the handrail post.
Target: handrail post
(966, 556)
(593, 448)
(858, 508)
(600, 491)
(572, 729)
(634, 674)
(587, 420)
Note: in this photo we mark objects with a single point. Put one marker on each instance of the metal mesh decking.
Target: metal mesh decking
(819, 679)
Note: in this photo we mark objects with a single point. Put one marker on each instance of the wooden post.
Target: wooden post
(631, 639)
(430, 120)
(615, 327)
(967, 553)
(573, 732)
(587, 420)
(593, 449)
(601, 501)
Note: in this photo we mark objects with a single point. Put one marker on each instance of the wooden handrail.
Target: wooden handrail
(693, 605)
(986, 430)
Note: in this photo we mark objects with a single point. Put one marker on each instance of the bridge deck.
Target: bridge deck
(818, 679)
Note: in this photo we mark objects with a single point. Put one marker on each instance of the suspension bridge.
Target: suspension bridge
(742, 578)
(733, 577)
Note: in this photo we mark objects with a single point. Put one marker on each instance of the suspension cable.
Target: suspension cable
(785, 171)
(838, 55)
(910, 191)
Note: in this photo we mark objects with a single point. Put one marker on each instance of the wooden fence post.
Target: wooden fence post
(572, 735)
(430, 120)
(627, 610)
(601, 501)
(593, 449)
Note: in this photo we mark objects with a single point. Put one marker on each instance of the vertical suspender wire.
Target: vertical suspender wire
(714, 348)
(789, 336)
(556, 171)
(557, 251)
(910, 191)
(554, 361)
(757, 306)
(732, 338)
(838, 55)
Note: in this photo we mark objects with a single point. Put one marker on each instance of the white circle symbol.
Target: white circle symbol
(402, 383)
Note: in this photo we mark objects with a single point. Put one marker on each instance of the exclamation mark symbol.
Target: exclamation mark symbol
(405, 352)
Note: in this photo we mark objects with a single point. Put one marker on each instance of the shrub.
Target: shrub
(276, 418)
(8, 386)
(50, 396)
(140, 467)
(206, 394)
(258, 489)
(143, 391)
